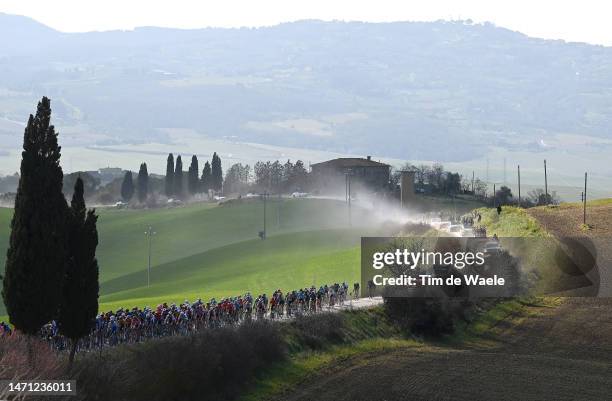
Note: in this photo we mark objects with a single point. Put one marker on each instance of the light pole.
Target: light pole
(149, 233)
(545, 182)
(348, 174)
(263, 233)
(494, 196)
(584, 200)
(519, 184)
(278, 211)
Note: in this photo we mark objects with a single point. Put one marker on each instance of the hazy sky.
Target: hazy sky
(572, 20)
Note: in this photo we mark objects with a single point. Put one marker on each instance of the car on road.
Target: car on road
(174, 202)
(467, 232)
(435, 222)
(492, 248)
(455, 229)
(444, 225)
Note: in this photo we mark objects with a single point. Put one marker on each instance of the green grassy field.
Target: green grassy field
(207, 250)
(512, 222)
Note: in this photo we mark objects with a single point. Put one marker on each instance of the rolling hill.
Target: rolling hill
(206, 250)
(453, 92)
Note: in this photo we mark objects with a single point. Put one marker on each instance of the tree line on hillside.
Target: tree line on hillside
(141, 188)
(271, 177)
(535, 197)
(178, 185)
(51, 269)
(436, 180)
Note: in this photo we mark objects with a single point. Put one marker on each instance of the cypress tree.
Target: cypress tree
(206, 180)
(36, 257)
(193, 181)
(79, 304)
(178, 177)
(217, 173)
(169, 183)
(127, 187)
(143, 183)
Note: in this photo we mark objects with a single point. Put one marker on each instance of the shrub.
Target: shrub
(426, 316)
(211, 365)
(316, 331)
(27, 357)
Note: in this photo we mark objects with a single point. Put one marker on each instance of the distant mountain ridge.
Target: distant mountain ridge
(399, 90)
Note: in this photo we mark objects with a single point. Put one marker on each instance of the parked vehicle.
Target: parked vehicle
(467, 232)
(455, 229)
(444, 225)
(492, 248)
(174, 202)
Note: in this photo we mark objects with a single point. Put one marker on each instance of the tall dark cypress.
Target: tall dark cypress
(206, 180)
(193, 180)
(143, 183)
(178, 177)
(217, 173)
(79, 304)
(169, 183)
(127, 187)
(35, 262)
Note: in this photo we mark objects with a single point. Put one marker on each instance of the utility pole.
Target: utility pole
(345, 187)
(278, 206)
(348, 195)
(519, 184)
(265, 196)
(149, 233)
(473, 182)
(494, 196)
(349, 202)
(545, 183)
(584, 200)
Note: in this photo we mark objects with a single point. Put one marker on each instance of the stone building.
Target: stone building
(330, 177)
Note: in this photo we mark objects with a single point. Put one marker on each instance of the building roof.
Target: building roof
(348, 162)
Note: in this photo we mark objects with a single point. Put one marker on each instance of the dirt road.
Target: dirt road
(552, 353)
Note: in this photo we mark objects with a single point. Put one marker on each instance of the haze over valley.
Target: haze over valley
(451, 92)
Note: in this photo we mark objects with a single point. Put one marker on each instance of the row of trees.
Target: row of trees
(237, 178)
(273, 177)
(51, 269)
(276, 177)
(141, 188)
(211, 178)
(175, 180)
(268, 176)
(535, 197)
(432, 179)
